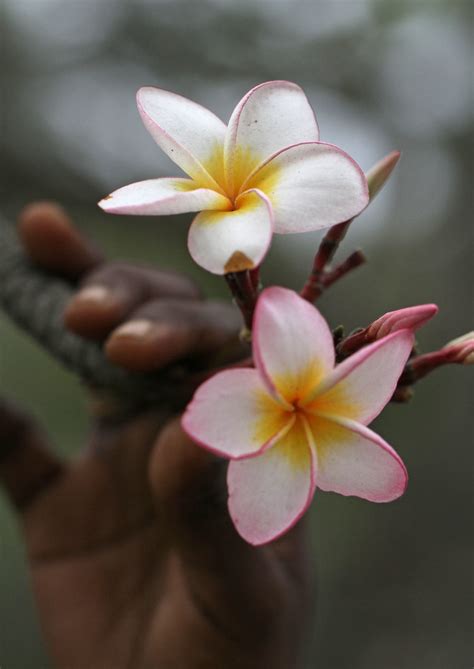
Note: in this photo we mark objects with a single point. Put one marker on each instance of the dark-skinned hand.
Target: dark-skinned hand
(134, 561)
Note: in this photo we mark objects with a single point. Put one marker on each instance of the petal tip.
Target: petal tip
(143, 90)
(259, 538)
(139, 97)
(105, 203)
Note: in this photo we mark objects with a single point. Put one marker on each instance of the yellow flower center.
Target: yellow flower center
(234, 181)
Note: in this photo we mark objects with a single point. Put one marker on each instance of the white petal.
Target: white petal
(361, 386)
(163, 196)
(233, 415)
(292, 343)
(191, 135)
(269, 493)
(270, 117)
(353, 460)
(232, 241)
(311, 186)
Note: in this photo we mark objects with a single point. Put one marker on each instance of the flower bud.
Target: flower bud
(378, 175)
(410, 318)
(462, 349)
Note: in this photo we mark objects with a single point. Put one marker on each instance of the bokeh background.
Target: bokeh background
(395, 588)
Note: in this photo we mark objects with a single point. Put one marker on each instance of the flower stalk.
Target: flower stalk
(314, 285)
(321, 277)
(244, 287)
(421, 365)
(356, 259)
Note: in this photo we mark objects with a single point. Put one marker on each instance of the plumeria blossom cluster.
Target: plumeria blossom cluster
(265, 172)
(296, 418)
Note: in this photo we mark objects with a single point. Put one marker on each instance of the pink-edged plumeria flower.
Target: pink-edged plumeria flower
(265, 172)
(297, 421)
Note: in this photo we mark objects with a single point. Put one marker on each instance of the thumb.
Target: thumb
(223, 572)
(188, 482)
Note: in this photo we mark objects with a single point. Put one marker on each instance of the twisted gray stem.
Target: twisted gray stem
(35, 301)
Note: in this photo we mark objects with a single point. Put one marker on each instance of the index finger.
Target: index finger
(53, 243)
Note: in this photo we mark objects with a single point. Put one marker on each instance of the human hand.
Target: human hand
(134, 560)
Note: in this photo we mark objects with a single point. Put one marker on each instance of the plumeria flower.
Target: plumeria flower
(297, 421)
(265, 172)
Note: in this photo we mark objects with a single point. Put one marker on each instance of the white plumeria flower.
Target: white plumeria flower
(298, 422)
(265, 172)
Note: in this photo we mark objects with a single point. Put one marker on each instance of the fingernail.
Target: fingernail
(96, 294)
(136, 328)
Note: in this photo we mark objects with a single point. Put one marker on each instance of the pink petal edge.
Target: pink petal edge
(241, 104)
(292, 523)
(186, 418)
(372, 436)
(269, 293)
(344, 369)
(359, 170)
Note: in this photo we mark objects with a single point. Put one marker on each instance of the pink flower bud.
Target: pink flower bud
(410, 318)
(462, 349)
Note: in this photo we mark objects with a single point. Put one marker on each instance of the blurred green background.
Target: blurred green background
(395, 588)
